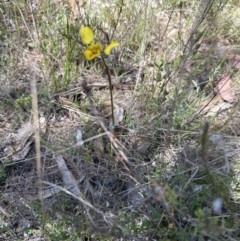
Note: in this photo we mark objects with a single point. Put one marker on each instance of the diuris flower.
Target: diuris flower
(94, 50)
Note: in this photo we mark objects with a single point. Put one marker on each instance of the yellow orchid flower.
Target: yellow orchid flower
(93, 51)
(87, 35)
(109, 48)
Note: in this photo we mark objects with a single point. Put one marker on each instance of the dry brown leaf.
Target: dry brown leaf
(233, 61)
(69, 180)
(143, 146)
(215, 109)
(22, 150)
(98, 147)
(25, 131)
(20, 145)
(224, 86)
(118, 116)
(70, 183)
(79, 137)
(225, 90)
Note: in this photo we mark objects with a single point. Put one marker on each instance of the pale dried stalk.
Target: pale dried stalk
(37, 142)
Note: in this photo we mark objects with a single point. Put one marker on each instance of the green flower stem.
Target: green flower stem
(110, 88)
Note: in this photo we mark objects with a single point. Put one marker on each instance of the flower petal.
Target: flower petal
(109, 48)
(88, 55)
(96, 47)
(87, 35)
(93, 51)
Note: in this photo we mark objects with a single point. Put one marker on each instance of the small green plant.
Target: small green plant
(23, 102)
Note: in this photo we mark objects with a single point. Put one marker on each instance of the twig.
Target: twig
(37, 143)
(84, 202)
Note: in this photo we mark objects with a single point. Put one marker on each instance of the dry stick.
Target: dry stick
(107, 218)
(37, 144)
(80, 199)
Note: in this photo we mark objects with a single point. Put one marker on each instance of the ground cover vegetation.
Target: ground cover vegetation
(119, 120)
